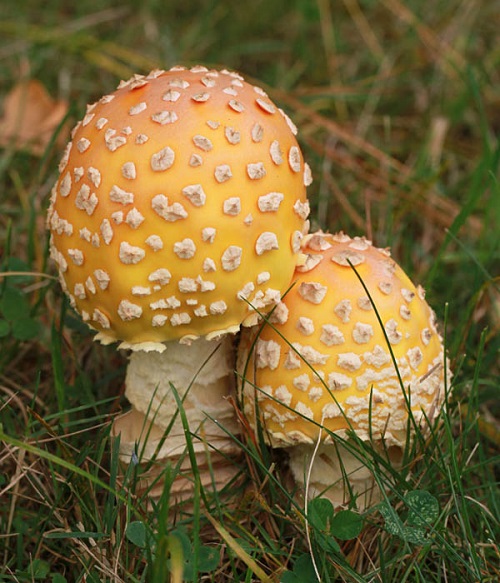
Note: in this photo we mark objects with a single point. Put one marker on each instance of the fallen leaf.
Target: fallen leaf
(30, 118)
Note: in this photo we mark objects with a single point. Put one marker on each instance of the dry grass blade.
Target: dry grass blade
(439, 209)
(365, 29)
(308, 113)
(443, 54)
(238, 550)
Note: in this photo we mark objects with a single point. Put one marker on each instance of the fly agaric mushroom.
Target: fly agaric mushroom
(323, 365)
(181, 202)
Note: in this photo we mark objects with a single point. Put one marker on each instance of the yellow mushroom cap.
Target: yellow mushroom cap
(328, 321)
(181, 195)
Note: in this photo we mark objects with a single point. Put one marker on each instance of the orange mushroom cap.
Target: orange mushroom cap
(181, 195)
(326, 363)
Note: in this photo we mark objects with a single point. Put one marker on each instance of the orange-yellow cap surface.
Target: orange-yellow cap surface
(329, 323)
(181, 195)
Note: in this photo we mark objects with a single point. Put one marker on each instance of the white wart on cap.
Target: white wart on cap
(181, 196)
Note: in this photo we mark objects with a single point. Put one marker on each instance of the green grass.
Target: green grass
(397, 106)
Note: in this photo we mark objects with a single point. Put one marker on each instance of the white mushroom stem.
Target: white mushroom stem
(333, 471)
(202, 376)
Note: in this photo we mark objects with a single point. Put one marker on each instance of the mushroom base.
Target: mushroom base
(338, 474)
(140, 439)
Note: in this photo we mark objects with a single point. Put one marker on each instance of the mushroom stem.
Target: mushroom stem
(335, 472)
(202, 376)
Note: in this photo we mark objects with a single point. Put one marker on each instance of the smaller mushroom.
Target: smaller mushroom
(341, 356)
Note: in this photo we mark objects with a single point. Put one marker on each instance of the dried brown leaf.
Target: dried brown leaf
(30, 118)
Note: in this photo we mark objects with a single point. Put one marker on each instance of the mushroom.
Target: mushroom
(325, 365)
(180, 207)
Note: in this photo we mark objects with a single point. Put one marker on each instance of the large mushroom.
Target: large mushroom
(179, 208)
(341, 356)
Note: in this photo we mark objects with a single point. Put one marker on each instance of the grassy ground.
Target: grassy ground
(397, 102)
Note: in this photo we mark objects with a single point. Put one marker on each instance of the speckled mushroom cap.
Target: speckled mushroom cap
(181, 195)
(330, 323)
